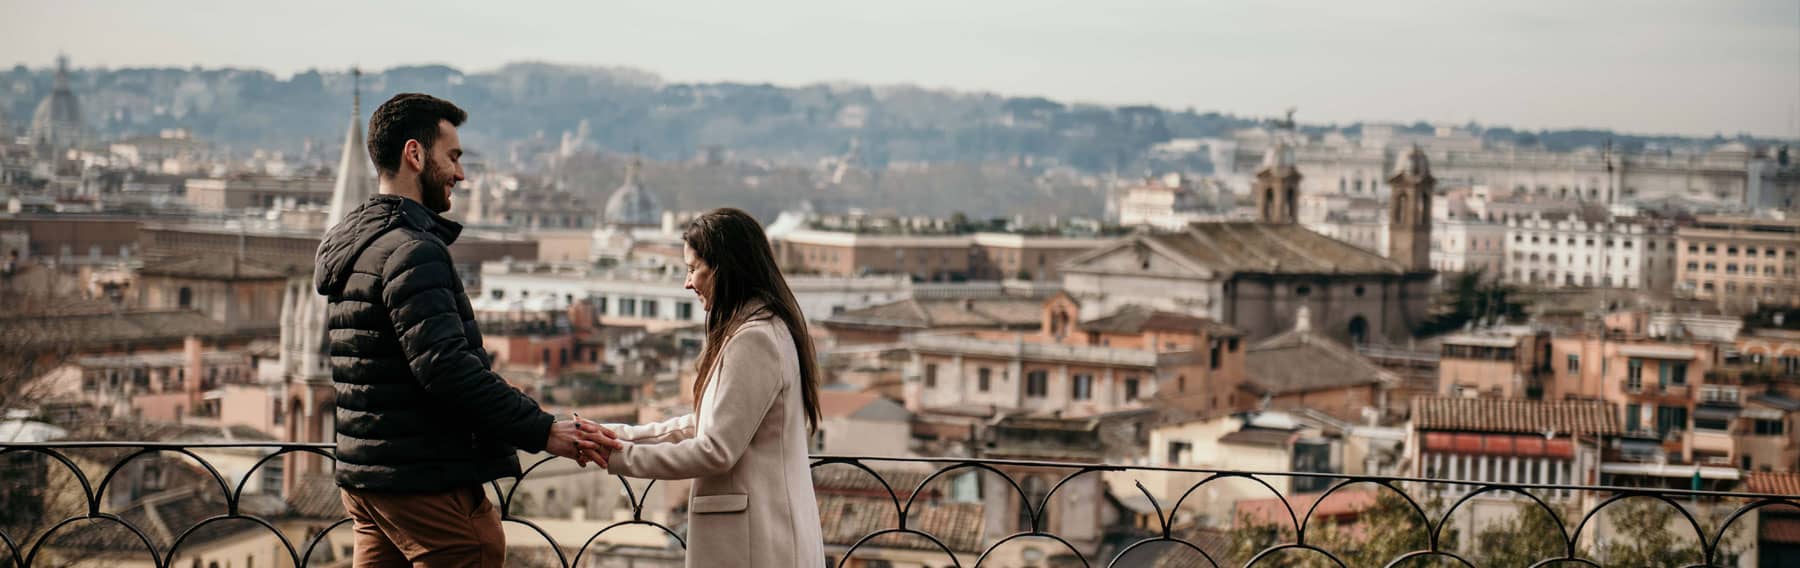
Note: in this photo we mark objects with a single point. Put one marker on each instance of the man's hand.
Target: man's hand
(599, 435)
(580, 440)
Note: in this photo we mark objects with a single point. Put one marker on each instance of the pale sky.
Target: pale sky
(1640, 66)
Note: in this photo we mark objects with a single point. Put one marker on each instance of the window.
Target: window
(1710, 267)
(931, 375)
(1768, 427)
(1213, 357)
(684, 310)
(1082, 388)
(1179, 452)
(1693, 266)
(1037, 384)
(1634, 375)
(1131, 388)
(1574, 363)
(1715, 424)
(650, 308)
(628, 307)
(1633, 417)
(1302, 290)
(983, 379)
(1672, 373)
(185, 297)
(600, 304)
(1670, 419)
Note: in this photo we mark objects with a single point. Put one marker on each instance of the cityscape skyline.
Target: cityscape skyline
(1341, 64)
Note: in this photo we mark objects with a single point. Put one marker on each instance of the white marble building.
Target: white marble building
(1730, 174)
(654, 295)
(1569, 251)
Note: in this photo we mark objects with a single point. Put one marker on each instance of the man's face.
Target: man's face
(441, 170)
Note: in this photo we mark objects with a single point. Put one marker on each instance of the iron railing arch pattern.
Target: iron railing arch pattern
(25, 554)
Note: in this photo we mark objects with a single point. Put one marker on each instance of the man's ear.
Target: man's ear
(413, 154)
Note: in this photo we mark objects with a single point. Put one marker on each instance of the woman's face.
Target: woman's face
(699, 277)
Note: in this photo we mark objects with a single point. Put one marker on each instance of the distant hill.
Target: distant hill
(526, 102)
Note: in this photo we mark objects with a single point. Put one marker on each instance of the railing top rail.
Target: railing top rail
(832, 458)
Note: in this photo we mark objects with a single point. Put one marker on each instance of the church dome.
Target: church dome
(57, 121)
(632, 203)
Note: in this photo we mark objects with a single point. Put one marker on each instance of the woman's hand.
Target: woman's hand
(582, 441)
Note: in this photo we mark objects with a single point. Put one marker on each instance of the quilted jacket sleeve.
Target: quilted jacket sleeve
(420, 294)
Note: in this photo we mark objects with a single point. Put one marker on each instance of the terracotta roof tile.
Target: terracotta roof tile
(1234, 247)
(1780, 530)
(847, 519)
(1515, 415)
(1216, 543)
(847, 480)
(1000, 313)
(1137, 319)
(1297, 361)
(1773, 483)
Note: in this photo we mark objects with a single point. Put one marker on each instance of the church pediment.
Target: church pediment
(1137, 256)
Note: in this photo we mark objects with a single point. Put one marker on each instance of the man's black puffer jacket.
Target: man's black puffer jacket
(418, 408)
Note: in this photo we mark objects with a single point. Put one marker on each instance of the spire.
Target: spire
(353, 184)
(631, 170)
(62, 71)
(355, 91)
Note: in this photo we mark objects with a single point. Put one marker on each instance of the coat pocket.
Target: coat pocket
(719, 531)
(726, 503)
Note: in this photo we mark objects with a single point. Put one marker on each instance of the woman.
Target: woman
(756, 403)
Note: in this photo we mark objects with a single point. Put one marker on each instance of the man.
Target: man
(422, 421)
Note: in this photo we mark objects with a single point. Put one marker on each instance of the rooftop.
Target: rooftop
(230, 268)
(1008, 312)
(1299, 361)
(107, 328)
(1134, 319)
(1235, 247)
(1515, 416)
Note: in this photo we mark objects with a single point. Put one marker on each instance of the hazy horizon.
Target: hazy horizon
(1657, 67)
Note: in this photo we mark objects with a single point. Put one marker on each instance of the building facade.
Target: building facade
(1561, 251)
(1740, 262)
(258, 192)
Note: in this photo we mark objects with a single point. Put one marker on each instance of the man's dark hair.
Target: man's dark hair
(407, 116)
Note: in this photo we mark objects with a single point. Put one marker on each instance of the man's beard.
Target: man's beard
(434, 187)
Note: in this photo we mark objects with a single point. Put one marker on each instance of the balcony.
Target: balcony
(1161, 527)
(1651, 390)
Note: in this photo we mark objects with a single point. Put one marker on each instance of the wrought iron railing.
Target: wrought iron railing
(1303, 519)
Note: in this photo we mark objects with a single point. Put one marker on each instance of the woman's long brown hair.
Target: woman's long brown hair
(732, 243)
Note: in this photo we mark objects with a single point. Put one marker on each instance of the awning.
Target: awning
(1762, 413)
(1670, 471)
(1716, 413)
(1656, 352)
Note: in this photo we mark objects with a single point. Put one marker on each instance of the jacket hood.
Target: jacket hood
(346, 241)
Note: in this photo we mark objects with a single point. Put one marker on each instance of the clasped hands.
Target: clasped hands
(582, 440)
